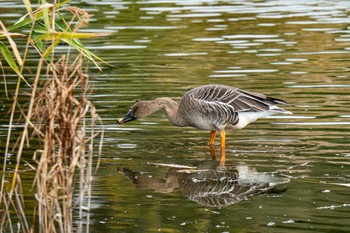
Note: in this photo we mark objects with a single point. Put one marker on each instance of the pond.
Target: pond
(294, 50)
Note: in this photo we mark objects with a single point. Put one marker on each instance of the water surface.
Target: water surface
(294, 50)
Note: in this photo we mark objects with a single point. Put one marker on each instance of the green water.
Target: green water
(294, 50)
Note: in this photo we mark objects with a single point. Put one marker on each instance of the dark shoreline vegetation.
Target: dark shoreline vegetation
(57, 117)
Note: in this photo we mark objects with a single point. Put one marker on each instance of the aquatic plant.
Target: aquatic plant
(58, 114)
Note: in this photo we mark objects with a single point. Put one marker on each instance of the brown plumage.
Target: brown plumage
(210, 107)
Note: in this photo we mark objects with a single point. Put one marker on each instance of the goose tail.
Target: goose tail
(277, 109)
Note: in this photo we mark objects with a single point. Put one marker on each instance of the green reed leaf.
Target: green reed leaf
(68, 35)
(8, 57)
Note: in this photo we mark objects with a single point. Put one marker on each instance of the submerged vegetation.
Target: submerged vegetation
(57, 115)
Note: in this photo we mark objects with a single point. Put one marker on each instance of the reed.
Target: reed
(59, 115)
(65, 123)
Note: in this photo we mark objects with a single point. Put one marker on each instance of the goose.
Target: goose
(212, 107)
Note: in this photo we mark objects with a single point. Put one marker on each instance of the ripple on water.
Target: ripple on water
(127, 146)
(294, 50)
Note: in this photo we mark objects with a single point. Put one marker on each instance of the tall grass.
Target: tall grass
(59, 115)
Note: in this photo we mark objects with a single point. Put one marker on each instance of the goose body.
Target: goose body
(211, 107)
(214, 107)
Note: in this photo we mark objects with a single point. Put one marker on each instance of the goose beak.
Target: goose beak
(128, 117)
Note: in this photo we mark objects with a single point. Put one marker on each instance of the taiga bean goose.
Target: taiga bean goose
(210, 107)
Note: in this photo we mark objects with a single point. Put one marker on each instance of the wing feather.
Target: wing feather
(219, 105)
(240, 101)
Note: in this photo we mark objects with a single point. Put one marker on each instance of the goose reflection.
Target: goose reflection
(211, 184)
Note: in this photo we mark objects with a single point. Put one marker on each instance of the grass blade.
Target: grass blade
(46, 7)
(12, 44)
(25, 20)
(8, 57)
(86, 52)
(29, 8)
(68, 35)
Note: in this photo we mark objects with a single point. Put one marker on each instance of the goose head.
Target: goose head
(138, 110)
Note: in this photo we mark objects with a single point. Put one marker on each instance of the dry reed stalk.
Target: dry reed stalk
(63, 113)
(61, 116)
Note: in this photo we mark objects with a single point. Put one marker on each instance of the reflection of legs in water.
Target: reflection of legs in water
(211, 144)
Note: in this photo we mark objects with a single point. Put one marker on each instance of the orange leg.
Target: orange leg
(211, 144)
(222, 147)
(212, 137)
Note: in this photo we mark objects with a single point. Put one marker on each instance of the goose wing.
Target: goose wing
(212, 107)
(232, 98)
